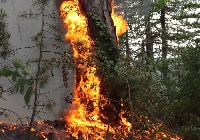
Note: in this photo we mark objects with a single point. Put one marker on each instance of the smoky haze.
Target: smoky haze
(58, 3)
(21, 31)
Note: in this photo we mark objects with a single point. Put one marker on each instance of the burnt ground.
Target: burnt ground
(48, 130)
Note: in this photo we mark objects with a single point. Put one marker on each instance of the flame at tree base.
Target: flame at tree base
(84, 118)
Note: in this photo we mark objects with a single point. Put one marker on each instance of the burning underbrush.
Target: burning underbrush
(42, 130)
(49, 130)
(46, 130)
(144, 129)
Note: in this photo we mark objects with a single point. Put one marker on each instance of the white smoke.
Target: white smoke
(21, 31)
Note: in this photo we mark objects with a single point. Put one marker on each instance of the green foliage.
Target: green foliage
(148, 92)
(6, 72)
(191, 5)
(18, 64)
(184, 108)
(106, 53)
(175, 102)
(28, 94)
(159, 4)
(21, 77)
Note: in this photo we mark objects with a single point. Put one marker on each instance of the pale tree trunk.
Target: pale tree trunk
(109, 111)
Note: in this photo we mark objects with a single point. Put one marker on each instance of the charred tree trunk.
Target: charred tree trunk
(102, 31)
(164, 42)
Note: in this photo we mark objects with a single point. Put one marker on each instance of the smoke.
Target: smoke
(15, 102)
(58, 3)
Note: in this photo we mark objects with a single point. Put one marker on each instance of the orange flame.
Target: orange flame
(2, 130)
(119, 22)
(86, 93)
(80, 120)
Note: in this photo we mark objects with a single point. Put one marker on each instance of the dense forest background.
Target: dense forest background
(161, 48)
(159, 64)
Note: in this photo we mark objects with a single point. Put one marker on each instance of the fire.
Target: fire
(87, 91)
(2, 130)
(83, 119)
(119, 22)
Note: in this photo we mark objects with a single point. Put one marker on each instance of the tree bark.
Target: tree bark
(110, 106)
(149, 39)
(164, 42)
(102, 9)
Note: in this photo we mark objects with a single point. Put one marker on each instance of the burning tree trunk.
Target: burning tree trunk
(103, 32)
(101, 9)
(92, 35)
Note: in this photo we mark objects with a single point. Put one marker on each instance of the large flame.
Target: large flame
(84, 117)
(80, 120)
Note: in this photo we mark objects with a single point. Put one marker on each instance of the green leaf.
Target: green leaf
(22, 88)
(18, 74)
(28, 64)
(29, 82)
(26, 72)
(19, 84)
(159, 4)
(14, 77)
(18, 64)
(28, 94)
(6, 72)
